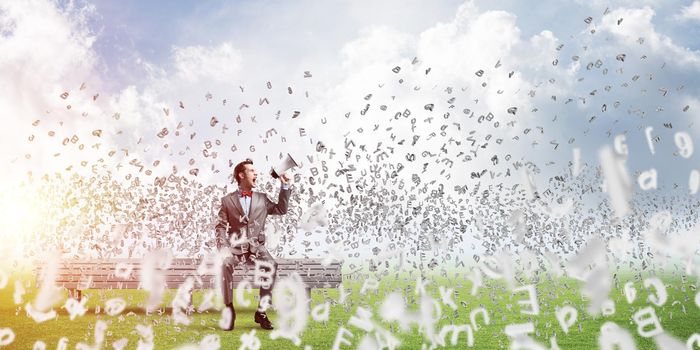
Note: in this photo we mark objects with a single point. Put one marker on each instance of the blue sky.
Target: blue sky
(286, 33)
(319, 29)
(148, 90)
(145, 57)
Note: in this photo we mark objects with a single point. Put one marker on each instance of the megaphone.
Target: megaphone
(286, 164)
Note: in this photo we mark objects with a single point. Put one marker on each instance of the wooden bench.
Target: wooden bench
(79, 275)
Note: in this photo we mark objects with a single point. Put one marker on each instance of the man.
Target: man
(241, 230)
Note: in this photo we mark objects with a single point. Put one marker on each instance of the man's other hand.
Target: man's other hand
(284, 179)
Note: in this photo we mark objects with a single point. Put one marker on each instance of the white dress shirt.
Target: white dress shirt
(245, 201)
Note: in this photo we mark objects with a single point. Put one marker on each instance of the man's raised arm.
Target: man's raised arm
(279, 208)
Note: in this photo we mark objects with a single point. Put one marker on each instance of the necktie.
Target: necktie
(247, 194)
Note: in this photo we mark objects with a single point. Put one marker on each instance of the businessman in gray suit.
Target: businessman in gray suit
(241, 230)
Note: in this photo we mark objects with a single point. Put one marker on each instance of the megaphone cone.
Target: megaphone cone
(287, 163)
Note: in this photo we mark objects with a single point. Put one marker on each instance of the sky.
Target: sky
(154, 88)
(143, 57)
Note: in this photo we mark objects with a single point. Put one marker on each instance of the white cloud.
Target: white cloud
(48, 50)
(45, 51)
(376, 45)
(690, 12)
(603, 4)
(41, 43)
(221, 63)
(637, 31)
(453, 51)
(471, 41)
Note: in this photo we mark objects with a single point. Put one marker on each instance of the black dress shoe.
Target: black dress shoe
(233, 318)
(261, 318)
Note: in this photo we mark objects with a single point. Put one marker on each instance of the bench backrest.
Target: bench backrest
(102, 273)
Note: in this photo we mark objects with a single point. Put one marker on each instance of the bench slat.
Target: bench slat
(76, 274)
(184, 262)
(207, 285)
(181, 278)
(166, 273)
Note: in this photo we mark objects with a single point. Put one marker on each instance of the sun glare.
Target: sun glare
(19, 219)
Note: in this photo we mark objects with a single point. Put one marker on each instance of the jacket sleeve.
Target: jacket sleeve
(222, 227)
(279, 208)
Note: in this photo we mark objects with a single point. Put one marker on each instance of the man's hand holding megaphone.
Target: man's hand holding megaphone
(284, 179)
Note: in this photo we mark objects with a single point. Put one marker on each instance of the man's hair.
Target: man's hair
(240, 167)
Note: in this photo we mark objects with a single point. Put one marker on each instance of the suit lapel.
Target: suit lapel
(256, 204)
(237, 203)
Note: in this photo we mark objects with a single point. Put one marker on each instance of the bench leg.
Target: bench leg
(190, 305)
(308, 299)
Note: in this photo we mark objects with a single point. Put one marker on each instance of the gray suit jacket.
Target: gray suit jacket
(248, 232)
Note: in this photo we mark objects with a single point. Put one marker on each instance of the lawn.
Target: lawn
(679, 316)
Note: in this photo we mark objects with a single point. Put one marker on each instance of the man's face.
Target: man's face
(248, 176)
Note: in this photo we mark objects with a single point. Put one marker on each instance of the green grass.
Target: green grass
(494, 296)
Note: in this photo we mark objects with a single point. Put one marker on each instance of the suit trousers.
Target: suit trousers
(246, 261)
